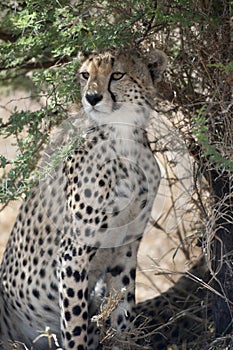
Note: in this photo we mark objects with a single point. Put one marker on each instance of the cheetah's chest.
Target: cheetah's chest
(114, 186)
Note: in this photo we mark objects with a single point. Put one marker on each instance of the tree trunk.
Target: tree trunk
(222, 191)
(223, 254)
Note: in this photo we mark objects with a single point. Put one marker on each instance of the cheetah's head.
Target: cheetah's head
(119, 84)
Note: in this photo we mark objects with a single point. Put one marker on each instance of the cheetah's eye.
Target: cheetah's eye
(85, 75)
(117, 75)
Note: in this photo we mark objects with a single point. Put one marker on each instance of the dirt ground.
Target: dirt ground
(160, 261)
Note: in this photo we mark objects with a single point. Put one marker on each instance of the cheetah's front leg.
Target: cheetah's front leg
(121, 278)
(73, 282)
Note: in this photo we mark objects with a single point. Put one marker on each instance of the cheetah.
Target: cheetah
(85, 219)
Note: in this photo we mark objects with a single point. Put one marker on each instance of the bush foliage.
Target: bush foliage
(40, 41)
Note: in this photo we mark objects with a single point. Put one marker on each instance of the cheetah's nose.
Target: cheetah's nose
(93, 99)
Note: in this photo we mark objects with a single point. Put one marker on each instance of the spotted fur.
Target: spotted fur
(85, 220)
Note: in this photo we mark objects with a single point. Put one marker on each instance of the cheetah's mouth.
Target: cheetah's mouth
(95, 110)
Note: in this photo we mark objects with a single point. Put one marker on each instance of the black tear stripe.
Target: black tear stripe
(111, 93)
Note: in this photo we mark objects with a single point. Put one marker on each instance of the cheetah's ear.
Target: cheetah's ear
(157, 63)
(84, 55)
